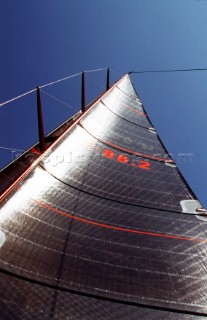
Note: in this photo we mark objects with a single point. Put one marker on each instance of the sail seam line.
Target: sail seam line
(117, 201)
(96, 296)
(114, 227)
(127, 150)
(139, 125)
(136, 99)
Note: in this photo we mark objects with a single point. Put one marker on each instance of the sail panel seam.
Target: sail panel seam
(147, 156)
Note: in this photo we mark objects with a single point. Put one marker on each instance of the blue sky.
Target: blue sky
(45, 40)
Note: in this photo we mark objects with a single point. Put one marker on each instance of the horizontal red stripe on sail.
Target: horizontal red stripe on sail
(123, 229)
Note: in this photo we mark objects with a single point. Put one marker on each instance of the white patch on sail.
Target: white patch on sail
(152, 130)
(200, 217)
(190, 206)
(2, 238)
(170, 164)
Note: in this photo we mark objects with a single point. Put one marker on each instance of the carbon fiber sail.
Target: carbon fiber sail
(104, 226)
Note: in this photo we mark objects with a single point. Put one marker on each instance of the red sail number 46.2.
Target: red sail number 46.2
(142, 164)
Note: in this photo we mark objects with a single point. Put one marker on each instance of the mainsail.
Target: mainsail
(104, 226)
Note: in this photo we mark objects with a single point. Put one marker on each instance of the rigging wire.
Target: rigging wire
(97, 83)
(96, 70)
(60, 80)
(20, 96)
(49, 84)
(12, 149)
(55, 98)
(69, 77)
(169, 70)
